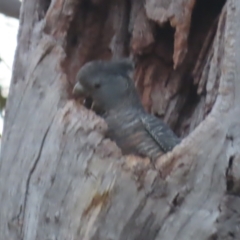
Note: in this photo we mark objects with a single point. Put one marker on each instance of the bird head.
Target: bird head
(108, 83)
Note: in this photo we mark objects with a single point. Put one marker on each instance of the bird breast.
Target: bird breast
(127, 130)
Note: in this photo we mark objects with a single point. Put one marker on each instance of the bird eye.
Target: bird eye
(97, 85)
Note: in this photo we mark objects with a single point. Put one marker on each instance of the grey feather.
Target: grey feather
(112, 89)
(160, 132)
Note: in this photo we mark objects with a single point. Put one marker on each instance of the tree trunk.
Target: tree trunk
(60, 178)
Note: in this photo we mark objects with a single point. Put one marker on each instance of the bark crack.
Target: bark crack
(36, 161)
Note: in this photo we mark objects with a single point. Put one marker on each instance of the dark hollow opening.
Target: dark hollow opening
(43, 6)
(174, 95)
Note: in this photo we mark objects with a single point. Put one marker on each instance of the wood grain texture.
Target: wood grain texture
(60, 178)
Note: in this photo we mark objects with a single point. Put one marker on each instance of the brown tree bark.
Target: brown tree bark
(60, 178)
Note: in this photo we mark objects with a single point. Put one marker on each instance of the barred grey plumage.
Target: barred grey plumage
(112, 89)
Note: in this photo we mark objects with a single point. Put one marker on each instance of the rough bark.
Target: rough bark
(61, 179)
(10, 8)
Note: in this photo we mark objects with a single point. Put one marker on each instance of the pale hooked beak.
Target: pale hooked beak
(79, 90)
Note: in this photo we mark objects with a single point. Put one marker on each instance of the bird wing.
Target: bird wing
(160, 132)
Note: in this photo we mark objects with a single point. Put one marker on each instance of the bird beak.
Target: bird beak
(79, 90)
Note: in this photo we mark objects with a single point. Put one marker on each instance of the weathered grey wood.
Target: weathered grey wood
(61, 179)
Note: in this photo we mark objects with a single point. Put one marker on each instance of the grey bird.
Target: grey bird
(110, 85)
